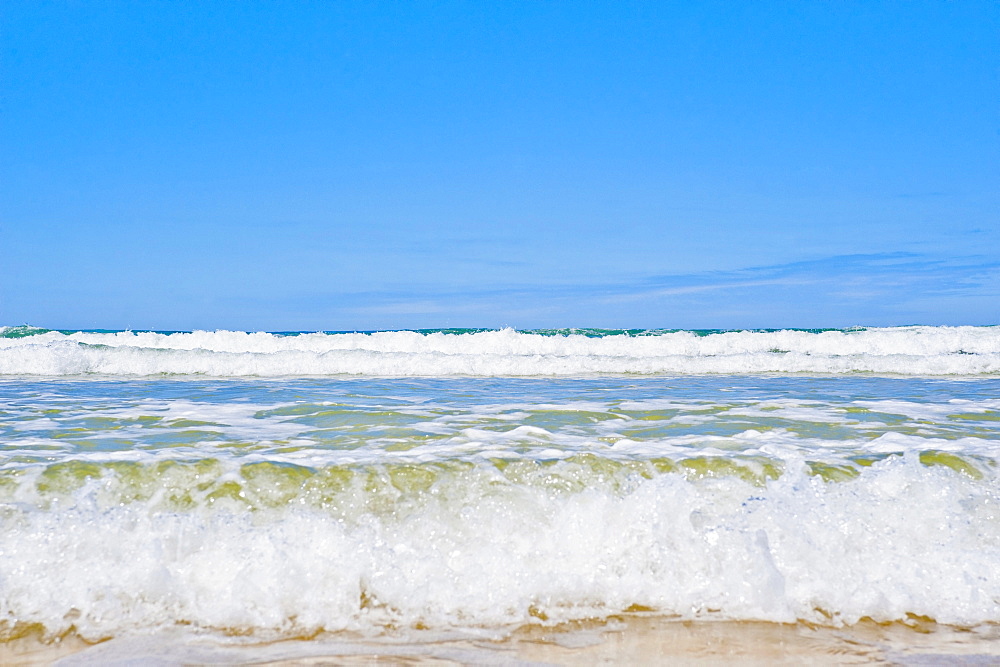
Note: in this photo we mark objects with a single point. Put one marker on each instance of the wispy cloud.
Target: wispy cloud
(869, 289)
(695, 289)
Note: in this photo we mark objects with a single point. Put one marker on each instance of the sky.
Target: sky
(288, 166)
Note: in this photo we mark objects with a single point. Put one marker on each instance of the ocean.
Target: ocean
(211, 490)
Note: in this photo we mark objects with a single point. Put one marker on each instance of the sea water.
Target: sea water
(283, 485)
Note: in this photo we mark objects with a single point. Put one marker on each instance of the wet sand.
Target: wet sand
(620, 640)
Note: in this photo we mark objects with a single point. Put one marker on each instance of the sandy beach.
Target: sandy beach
(619, 640)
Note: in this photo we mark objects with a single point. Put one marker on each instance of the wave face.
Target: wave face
(919, 351)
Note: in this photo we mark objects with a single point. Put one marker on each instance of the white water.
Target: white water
(476, 549)
(962, 351)
(281, 507)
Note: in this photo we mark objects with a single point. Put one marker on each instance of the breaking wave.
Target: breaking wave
(284, 551)
(918, 350)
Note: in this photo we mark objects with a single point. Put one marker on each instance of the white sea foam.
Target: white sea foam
(478, 549)
(281, 507)
(962, 351)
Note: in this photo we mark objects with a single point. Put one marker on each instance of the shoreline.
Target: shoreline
(619, 639)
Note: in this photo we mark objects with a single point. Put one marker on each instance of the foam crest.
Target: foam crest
(963, 351)
(473, 546)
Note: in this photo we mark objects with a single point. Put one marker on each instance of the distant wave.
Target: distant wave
(917, 350)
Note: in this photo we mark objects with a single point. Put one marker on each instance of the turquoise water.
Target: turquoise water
(234, 483)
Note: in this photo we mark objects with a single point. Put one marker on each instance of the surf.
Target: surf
(916, 351)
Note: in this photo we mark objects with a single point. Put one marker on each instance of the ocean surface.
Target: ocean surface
(283, 485)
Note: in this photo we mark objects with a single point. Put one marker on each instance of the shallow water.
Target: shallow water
(274, 508)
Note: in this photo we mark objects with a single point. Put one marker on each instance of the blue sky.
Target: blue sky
(320, 165)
